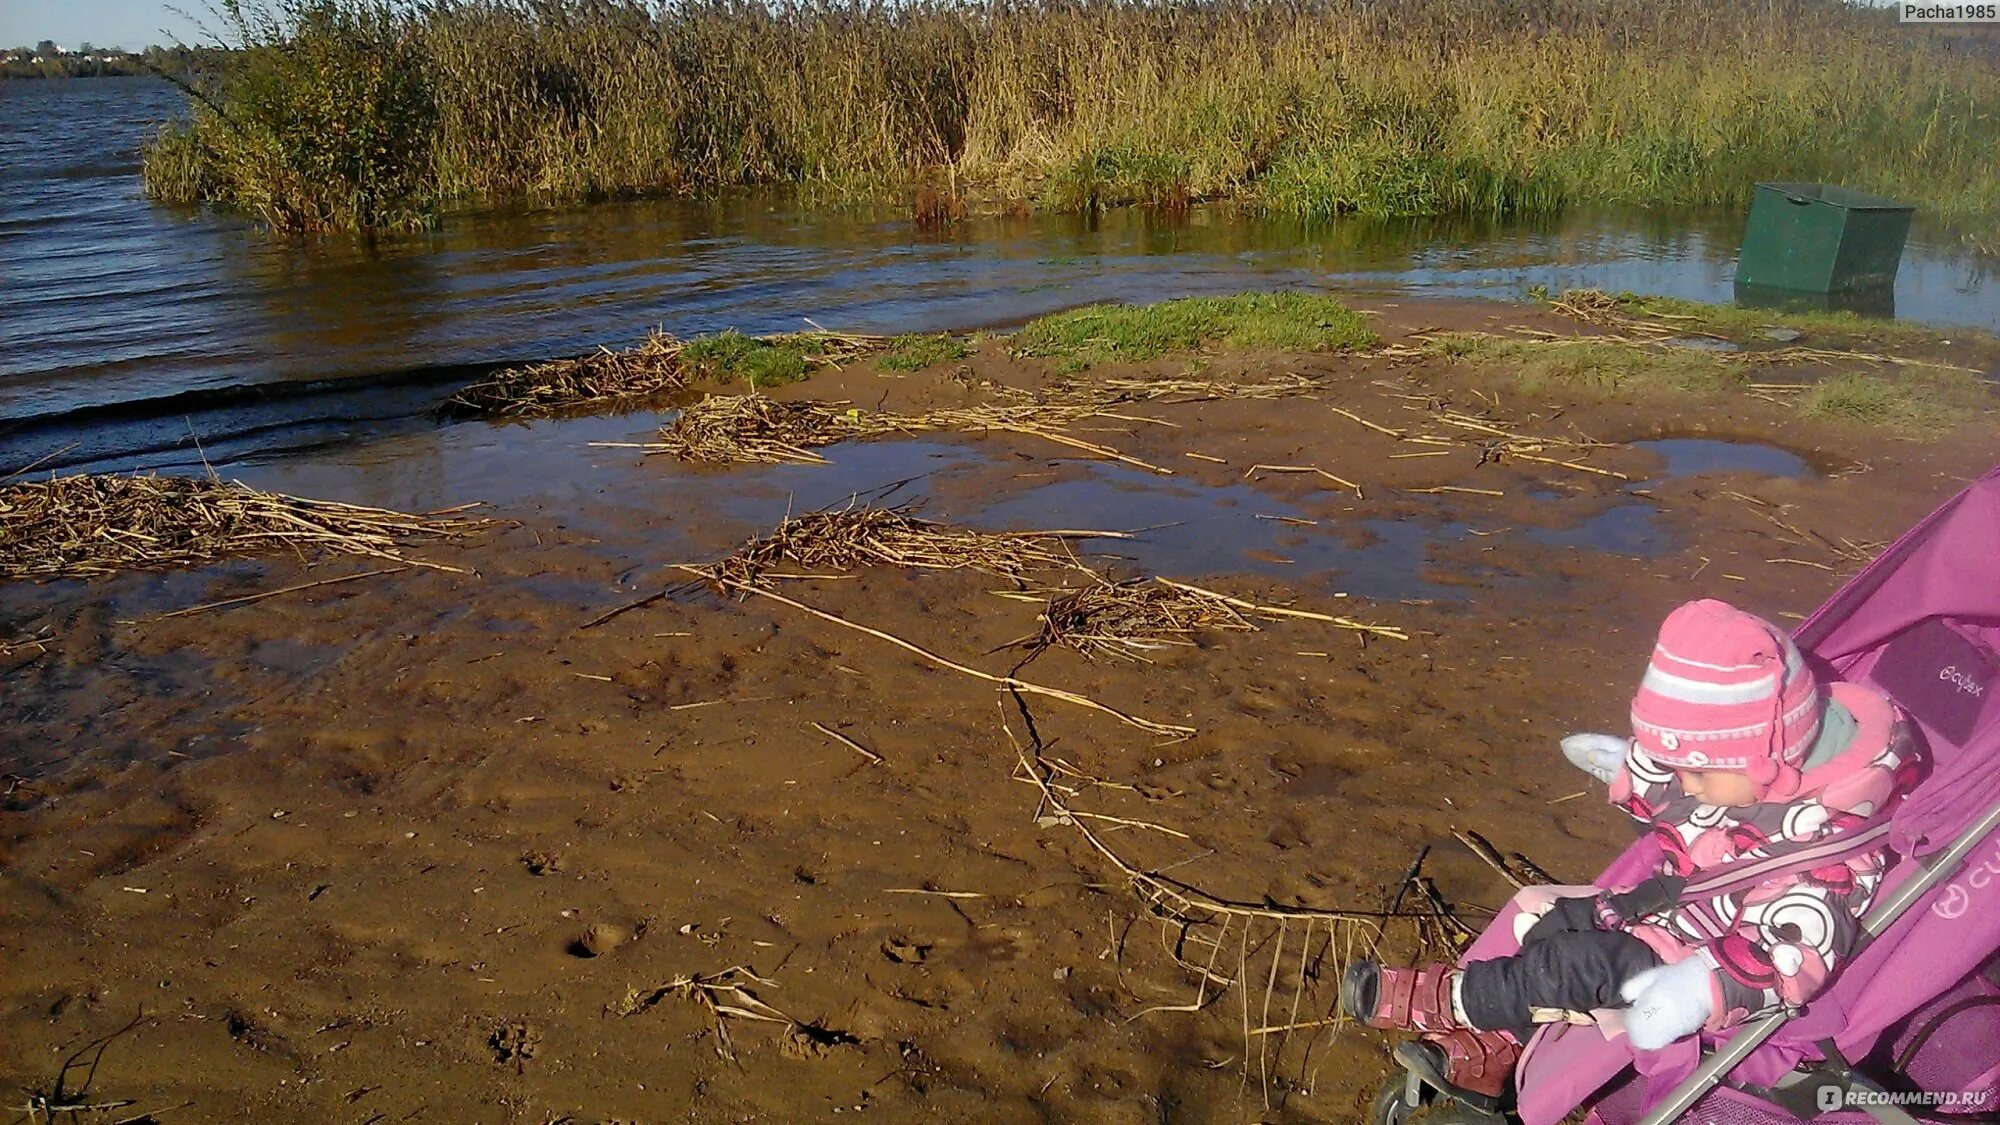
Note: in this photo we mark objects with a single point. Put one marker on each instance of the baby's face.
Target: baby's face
(1722, 788)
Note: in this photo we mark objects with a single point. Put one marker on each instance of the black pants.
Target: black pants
(1565, 962)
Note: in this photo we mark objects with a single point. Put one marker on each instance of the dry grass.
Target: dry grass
(89, 525)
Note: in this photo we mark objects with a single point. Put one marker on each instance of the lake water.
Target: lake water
(130, 327)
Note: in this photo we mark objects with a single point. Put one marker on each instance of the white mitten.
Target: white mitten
(1599, 755)
(1668, 1003)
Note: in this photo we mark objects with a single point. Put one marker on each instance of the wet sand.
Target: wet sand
(341, 849)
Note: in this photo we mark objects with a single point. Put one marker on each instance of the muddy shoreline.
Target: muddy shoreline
(342, 849)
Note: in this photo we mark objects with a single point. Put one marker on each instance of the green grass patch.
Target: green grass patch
(1601, 366)
(757, 361)
(1747, 323)
(1920, 405)
(914, 351)
(1920, 401)
(1283, 321)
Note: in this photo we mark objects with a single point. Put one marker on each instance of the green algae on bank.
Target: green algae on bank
(1305, 322)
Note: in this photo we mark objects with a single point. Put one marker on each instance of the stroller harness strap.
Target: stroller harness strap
(1742, 874)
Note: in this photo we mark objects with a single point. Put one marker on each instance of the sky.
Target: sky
(130, 24)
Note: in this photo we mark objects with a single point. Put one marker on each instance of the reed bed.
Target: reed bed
(604, 378)
(845, 539)
(349, 114)
(90, 525)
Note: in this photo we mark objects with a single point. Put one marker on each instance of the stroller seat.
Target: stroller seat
(1911, 1023)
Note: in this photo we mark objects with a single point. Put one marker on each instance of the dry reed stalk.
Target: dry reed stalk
(1286, 612)
(1496, 439)
(848, 538)
(1173, 391)
(872, 756)
(1594, 307)
(602, 378)
(1172, 897)
(1168, 730)
(248, 598)
(1835, 355)
(39, 640)
(89, 525)
(1843, 550)
(1299, 942)
(1341, 481)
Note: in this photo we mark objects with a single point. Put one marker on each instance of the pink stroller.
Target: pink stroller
(1910, 1029)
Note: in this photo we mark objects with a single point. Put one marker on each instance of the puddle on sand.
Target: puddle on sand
(1687, 457)
(1631, 530)
(647, 511)
(1634, 529)
(1702, 344)
(1193, 529)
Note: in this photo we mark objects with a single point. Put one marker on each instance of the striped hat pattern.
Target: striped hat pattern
(1726, 690)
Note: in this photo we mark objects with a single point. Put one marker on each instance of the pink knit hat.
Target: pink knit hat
(1726, 691)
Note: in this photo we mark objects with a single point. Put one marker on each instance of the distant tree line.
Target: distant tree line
(49, 59)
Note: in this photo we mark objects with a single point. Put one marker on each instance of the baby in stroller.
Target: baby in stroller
(1754, 776)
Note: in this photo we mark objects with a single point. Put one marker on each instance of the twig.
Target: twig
(1168, 729)
(1281, 611)
(865, 752)
(1486, 851)
(1341, 481)
(248, 598)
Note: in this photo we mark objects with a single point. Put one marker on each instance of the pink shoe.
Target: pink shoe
(1473, 1066)
(1398, 999)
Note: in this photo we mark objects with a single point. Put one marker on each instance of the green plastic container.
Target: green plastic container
(1818, 238)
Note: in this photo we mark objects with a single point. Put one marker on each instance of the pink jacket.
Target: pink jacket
(1776, 942)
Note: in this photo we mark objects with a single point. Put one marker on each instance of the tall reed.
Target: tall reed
(1310, 107)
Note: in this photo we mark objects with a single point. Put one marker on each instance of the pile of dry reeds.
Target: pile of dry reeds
(847, 538)
(87, 525)
(1134, 616)
(1594, 306)
(603, 378)
(749, 429)
(752, 429)
(1130, 618)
